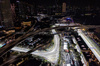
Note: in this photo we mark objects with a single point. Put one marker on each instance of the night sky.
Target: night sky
(69, 2)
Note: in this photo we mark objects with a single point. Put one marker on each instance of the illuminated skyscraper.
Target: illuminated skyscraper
(64, 7)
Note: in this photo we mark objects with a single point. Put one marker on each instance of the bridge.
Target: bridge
(90, 26)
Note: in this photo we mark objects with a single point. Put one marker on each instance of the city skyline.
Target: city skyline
(69, 2)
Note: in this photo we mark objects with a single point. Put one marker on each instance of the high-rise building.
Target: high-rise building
(64, 7)
(6, 13)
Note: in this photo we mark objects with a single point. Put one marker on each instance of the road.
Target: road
(65, 57)
(8, 47)
(91, 44)
(83, 59)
